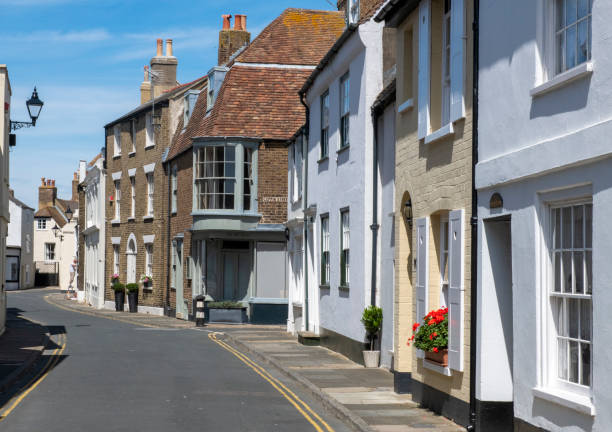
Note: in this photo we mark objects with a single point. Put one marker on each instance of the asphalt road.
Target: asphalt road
(115, 376)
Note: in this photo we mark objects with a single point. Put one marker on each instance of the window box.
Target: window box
(581, 71)
(227, 315)
(440, 357)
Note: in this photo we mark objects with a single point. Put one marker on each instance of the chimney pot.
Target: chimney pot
(146, 73)
(169, 47)
(42, 180)
(240, 22)
(159, 48)
(226, 21)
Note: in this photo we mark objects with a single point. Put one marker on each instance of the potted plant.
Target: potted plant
(372, 321)
(119, 289)
(431, 336)
(114, 278)
(227, 312)
(147, 281)
(132, 289)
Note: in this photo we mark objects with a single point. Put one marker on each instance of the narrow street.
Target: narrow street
(114, 376)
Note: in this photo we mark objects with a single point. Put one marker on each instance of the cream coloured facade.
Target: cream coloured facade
(434, 183)
(5, 103)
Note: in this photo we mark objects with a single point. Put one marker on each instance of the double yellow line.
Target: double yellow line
(293, 399)
(54, 358)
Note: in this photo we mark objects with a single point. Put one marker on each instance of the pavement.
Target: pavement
(362, 398)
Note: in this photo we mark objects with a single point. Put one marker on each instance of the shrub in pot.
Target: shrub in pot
(132, 289)
(372, 321)
(431, 336)
(119, 289)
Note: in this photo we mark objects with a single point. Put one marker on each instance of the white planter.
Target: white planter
(371, 358)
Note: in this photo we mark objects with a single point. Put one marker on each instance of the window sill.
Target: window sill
(149, 146)
(147, 218)
(131, 219)
(561, 80)
(147, 289)
(117, 156)
(576, 402)
(342, 149)
(323, 159)
(324, 287)
(115, 222)
(444, 132)
(443, 370)
(173, 213)
(132, 154)
(343, 287)
(408, 105)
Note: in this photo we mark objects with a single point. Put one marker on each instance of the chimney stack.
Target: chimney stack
(231, 40)
(145, 87)
(47, 193)
(163, 68)
(75, 187)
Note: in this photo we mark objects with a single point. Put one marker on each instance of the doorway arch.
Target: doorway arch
(131, 251)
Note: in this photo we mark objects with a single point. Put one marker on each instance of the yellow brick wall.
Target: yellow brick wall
(437, 178)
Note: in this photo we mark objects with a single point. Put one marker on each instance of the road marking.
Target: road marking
(51, 302)
(279, 386)
(38, 378)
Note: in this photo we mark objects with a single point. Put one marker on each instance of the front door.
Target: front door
(12, 272)
(236, 275)
(181, 305)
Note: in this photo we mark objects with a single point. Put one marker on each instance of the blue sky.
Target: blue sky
(86, 57)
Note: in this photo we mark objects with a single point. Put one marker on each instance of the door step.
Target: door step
(309, 338)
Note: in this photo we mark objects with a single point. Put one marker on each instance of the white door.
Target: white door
(131, 261)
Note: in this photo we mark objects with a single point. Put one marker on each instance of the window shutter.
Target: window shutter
(456, 289)
(422, 247)
(424, 59)
(457, 109)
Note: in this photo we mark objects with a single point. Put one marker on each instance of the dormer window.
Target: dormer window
(353, 11)
(215, 79)
(188, 105)
(210, 96)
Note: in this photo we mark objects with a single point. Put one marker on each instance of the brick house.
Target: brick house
(136, 229)
(230, 165)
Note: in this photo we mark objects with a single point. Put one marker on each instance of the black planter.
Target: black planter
(229, 315)
(119, 300)
(133, 301)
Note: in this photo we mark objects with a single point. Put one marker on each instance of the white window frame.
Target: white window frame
(324, 144)
(149, 259)
(117, 200)
(345, 247)
(49, 251)
(446, 64)
(116, 259)
(150, 193)
(41, 226)
(133, 195)
(133, 135)
(325, 267)
(345, 110)
(556, 32)
(117, 140)
(444, 258)
(149, 130)
(174, 186)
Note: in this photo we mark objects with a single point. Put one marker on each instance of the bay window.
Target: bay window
(225, 177)
(570, 294)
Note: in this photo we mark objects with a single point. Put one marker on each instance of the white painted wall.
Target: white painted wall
(94, 235)
(65, 250)
(530, 149)
(5, 98)
(20, 238)
(345, 179)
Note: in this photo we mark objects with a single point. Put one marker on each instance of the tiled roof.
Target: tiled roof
(94, 160)
(54, 213)
(369, 8)
(202, 78)
(297, 36)
(64, 204)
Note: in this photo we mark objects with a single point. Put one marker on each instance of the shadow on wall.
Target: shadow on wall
(573, 97)
(560, 416)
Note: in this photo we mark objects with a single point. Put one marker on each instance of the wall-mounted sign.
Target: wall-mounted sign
(496, 201)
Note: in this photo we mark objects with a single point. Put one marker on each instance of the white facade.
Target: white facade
(94, 184)
(19, 246)
(340, 193)
(5, 104)
(544, 270)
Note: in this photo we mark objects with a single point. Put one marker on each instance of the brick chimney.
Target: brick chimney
(163, 69)
(232, 39)
(145, 87)
(47, 193)
(75, 186)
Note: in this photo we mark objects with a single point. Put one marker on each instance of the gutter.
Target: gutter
(474, 225)
(305, 204)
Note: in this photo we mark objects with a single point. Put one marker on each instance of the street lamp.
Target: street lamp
(34, 105)
(69, 214)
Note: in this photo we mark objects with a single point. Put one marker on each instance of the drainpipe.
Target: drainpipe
(305, 205)
(474, 226)
(168, 240)
(374, 227)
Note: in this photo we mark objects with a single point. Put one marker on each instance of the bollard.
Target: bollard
(199, 319)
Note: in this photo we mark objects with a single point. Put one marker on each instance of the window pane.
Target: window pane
(586, 364)
(573, 366)
(588, 225)
(585, 319)
(556, 214)
(579, 272)
(589, 272)
(560, 12)
(566, 220)
(578, 226)
(573, 317)
(567, 272)
(562, 356)
(570, 47)
(590, 37)
(570, 12)
(229, 202)
(560, 52)
(558, 275)
(583, 51)
(583, 8)
(558, 305)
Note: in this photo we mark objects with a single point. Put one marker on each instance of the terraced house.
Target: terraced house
(135, 208)
(434, 205)
(231, 163)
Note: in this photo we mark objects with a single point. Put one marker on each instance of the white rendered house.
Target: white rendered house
(336, 171)
(5, 101)
(19, 246)
(544, 203)
(93, 178)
